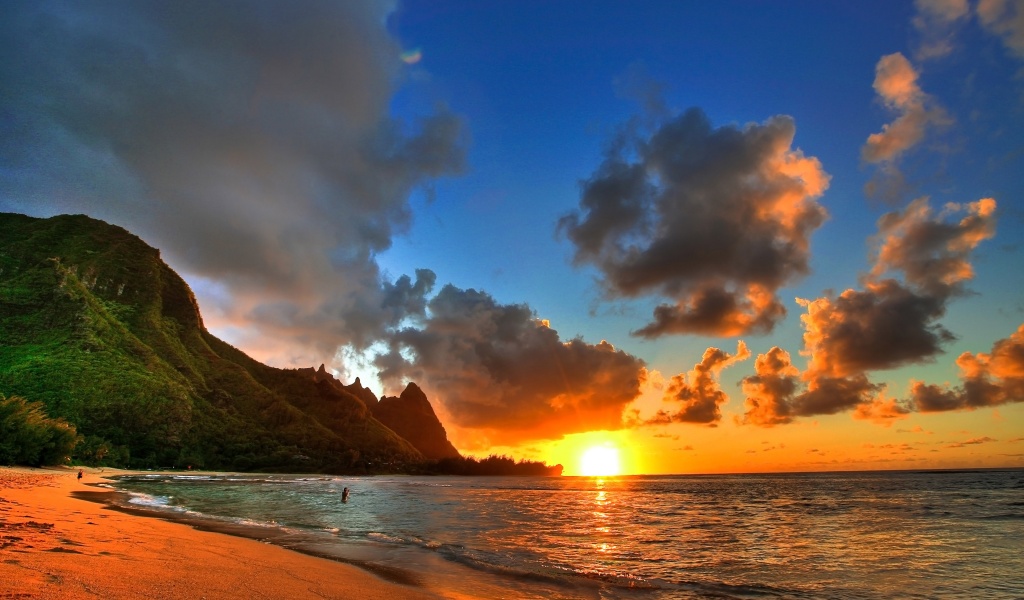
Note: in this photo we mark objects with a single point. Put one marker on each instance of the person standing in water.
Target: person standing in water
(344, 495)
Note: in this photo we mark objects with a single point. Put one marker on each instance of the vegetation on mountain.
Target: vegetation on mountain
(411, 416)
(101, 332)
(104, 357)
(29, 437)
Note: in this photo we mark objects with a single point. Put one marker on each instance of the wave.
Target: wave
(626, 539)
(147, 500)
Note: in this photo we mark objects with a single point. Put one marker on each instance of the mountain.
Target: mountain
(98, 328)
(411, 416)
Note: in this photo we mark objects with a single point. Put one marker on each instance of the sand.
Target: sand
(53, 545)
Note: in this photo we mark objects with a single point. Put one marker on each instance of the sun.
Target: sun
(600, 461)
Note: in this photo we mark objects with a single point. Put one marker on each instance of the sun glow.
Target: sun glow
(600, 461)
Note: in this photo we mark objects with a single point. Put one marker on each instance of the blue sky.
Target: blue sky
(320, 173)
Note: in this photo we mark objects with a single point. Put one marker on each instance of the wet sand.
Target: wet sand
(56, 545)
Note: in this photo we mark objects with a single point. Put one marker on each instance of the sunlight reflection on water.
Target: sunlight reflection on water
(860, 535)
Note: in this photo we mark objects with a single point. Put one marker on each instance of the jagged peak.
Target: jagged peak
(413, 390)
(412, 417)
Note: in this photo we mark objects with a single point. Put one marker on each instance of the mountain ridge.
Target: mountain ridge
(99, 329)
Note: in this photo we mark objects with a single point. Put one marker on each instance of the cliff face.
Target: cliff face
(412, 417)
(97, 327)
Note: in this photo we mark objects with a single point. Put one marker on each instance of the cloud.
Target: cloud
(936, 21)
(715, 220)
(887, 324)
(698, 391)
(933, 252)
(778, 392)
(831, 395)
(498, 369)
(251, 142)
(972, 442)
(891, 323)
(896, 85)
(915, 429)
(883, 326)
(770, 391)
(897, 88)
(986, 379)
(1004, 18)
(882, 411)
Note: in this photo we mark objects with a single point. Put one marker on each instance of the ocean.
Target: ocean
(836, 536)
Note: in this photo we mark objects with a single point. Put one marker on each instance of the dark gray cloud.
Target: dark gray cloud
(883, 326)
(715, 220)
(250, 141)
(831, 395)
(497, 369)
(891, 323)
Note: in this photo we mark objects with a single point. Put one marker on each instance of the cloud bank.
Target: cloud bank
(888, 323)
(505, 373)
(251, 142)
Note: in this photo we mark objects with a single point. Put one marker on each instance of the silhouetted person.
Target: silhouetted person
(79, 474)
(344, 495)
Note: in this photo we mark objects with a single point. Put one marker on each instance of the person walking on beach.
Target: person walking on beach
(79, 474)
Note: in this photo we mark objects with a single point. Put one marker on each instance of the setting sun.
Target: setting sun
(600, 461)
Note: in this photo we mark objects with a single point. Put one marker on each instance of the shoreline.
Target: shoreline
(61, 538)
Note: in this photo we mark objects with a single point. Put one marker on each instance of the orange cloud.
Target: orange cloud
(986, 379)
(698, 391)
(770, 391)
(931, 252)
(887, 324)
(897, 88)
(882, 411)
(896, 85)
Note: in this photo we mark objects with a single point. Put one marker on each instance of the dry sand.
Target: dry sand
(53, 545)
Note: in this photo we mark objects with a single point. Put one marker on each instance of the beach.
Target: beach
(866, 535)
(55, 545)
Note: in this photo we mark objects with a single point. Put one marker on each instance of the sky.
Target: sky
(732, 236)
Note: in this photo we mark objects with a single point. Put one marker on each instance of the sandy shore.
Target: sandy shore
(53, 545)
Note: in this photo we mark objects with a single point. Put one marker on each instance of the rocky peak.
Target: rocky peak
(411, 416)
(364, 394)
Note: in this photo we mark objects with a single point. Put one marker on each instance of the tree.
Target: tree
(29, 437)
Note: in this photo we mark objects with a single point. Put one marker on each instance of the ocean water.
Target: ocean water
(867, 535)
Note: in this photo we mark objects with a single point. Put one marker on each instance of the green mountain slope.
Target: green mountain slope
(98, 328)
